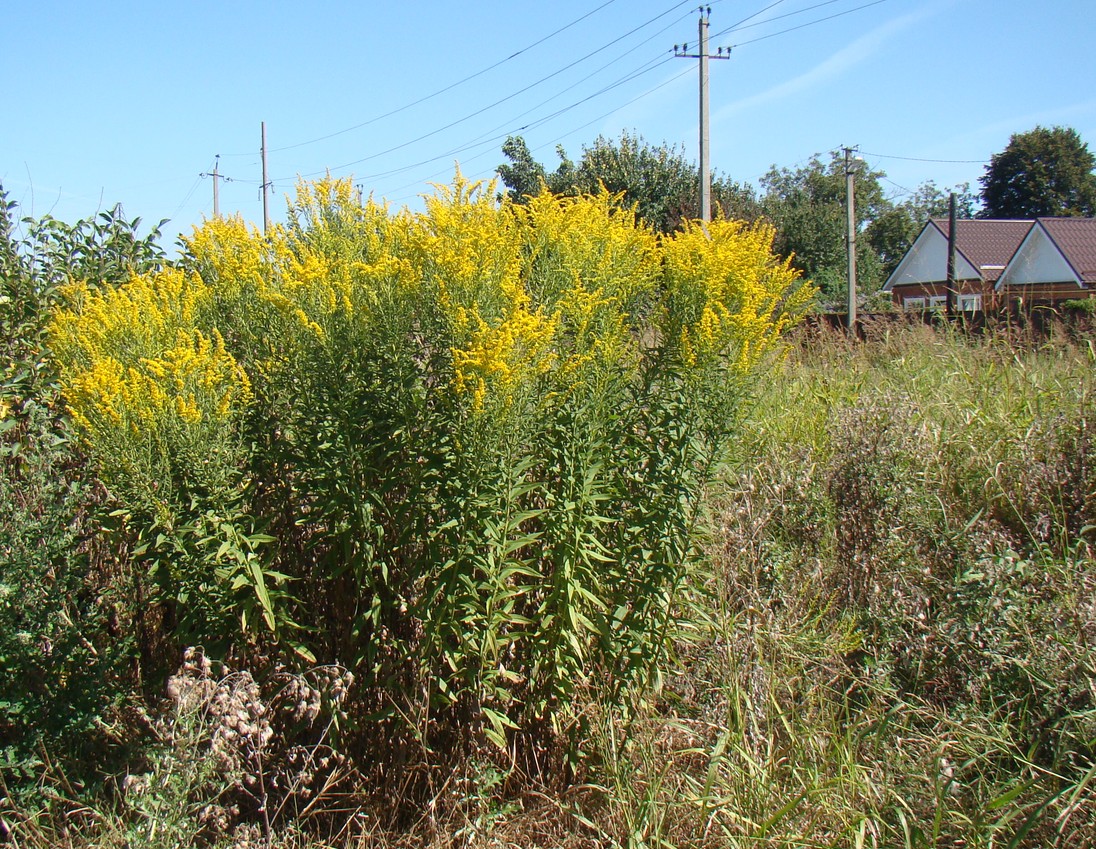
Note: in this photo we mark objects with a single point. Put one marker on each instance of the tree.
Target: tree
(807, 206)
(1040, 173)
(524, 175)
(659, 181)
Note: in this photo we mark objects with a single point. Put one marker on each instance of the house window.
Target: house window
(938, 302)
(970, 303)
(913, 303)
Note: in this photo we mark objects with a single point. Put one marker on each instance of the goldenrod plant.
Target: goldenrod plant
(459, 451)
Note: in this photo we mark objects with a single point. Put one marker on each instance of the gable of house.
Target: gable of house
(1076, 238)
(926, 261)
(1057, 251)
(983, 249)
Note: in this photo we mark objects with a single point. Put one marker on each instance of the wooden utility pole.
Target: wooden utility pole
(704, 56)
(266, 185)
(953, 242)
(850, 234)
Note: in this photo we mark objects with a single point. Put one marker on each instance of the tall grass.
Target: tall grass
(448, 453)
(902, 609)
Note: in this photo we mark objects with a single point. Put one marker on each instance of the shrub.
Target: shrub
(459, 451)
(66, 649)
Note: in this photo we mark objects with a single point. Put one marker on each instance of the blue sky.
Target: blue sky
(131, 102)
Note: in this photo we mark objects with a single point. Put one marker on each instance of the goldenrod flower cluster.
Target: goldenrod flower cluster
(150, 388)
(504, 301)
(483, 428)
(728, 295)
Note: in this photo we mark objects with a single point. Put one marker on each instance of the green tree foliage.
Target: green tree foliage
(1044, 172)
(64, 653)
(524, 176)
(807, 205)
(659, 181)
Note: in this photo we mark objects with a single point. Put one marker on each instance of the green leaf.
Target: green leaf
(261, 593)
(499, 723)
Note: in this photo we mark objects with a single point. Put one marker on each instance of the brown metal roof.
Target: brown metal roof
(1076, 239)
(988, 243)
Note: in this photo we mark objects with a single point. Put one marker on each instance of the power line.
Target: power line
(502, 100)
(508, 127)
(902, 189)
(440, 91)
(650, 65)
(751, 17)
(810, 23)
(920, 159)
(480, 142)
(189, 194)
(658, 60)
(741, 25)
(572, 131)
(449, 87)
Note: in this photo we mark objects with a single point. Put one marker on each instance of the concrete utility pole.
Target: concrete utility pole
(217, 177)
(703, 56)
(266, 185)
(850, 234)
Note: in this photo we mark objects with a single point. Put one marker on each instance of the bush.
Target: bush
(460, 452)
(66, 651)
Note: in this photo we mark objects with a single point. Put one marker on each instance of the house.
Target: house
(983, 250)
(1056, 261)
(998, 263)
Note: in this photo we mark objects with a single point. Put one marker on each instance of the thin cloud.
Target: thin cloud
(837, 65)
(1056, 116)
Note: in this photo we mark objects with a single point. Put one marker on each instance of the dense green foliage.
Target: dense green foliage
(808, 207)
(659, 181)
(806, 204)
(65, 658)
(1043, 172)
(884, 635)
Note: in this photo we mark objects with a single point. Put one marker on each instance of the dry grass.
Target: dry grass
(892, 643)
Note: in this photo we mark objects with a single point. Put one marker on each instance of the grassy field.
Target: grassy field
(902, 592)
(892, 642)
(499, 527)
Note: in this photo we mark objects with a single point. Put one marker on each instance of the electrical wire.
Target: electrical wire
(741, 25)
(488, 138)
(451, 86)
(754, 15)
(919, 159)
(810, 23)
(570, 132)
(440, 91)
(480, 142)
(592, 74)
(649, 65)
(189, 194)
(540, 122)
(509, 97)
